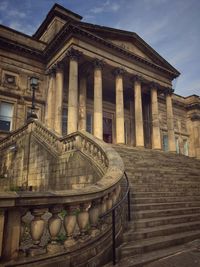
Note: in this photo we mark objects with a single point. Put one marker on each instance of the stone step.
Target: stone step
(163, 199)
(147, 245)
(163, 230)
(142, 260)
(158, 221)
(165, 212)
(159, 206)
(158, 188)
(157, 194)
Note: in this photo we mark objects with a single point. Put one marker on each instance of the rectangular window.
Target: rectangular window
(165, 142)
(89, 123)
(6, 116)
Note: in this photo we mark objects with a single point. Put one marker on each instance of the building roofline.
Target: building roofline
(54, 11)
(22, 34)
(131, 35)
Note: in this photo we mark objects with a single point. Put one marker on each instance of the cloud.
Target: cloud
(15, 13)
(105, 7)
(20, 26)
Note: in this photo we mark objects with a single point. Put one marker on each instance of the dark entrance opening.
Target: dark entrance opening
(107, 130)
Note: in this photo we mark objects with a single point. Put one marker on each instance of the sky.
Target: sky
(171, 27)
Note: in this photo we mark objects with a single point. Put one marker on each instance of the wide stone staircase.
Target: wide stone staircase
(165, 204)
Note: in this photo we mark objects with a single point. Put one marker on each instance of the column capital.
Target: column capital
(74, 54)
(59, 65)
(168, 91)
(51, 70)
(137, 78)
(118, 71)
(154, 85)
(98, 63)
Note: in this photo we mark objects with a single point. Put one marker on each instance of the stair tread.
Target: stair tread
(163, 227)
(160, 239)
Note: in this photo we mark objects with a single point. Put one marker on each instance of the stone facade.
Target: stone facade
(103, 80)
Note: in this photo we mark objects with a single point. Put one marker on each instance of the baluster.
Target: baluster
(103, 205)
(83, 219)
(37, 230)
(69, 225)
(94, 212)
(54, 225)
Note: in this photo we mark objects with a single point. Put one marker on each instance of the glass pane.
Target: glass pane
(6, 114)
(165, 142)
(6, 111)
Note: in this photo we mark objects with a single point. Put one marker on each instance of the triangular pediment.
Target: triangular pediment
(131, 48)
(130, 42)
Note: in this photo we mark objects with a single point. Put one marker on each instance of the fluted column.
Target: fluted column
(170, 123)
(139, 130)
(72, 123)
(59, 98)
(50, 103)
(156, 139)
(98, 110)
(82, 102)
(119, 106)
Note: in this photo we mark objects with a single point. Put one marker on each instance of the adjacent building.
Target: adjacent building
(106, 81)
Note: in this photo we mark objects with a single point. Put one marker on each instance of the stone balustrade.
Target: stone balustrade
(48, 224)
(59, 221)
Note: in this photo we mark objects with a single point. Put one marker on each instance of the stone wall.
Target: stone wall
(31, 164)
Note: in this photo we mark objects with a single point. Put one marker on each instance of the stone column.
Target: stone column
(170, 123)
(156, 138)
(50, 102)
(58, 98)
(2, 219)
(82, 102)
(72, 123)
(120, 139)
(98, 110)
(139, 130)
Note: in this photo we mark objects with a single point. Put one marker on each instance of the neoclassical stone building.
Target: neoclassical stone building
(108, 82)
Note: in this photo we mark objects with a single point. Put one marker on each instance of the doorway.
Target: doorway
(107, 130)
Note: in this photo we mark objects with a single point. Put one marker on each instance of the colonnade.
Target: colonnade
(77, 104)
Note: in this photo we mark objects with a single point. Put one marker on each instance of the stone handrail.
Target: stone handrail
(80, 207)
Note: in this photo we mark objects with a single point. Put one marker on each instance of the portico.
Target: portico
(93, 80)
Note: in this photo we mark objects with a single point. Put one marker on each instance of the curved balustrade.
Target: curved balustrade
(64, 220)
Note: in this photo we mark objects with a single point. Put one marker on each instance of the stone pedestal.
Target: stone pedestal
(12, 233)
(156, 138)
(170, 124)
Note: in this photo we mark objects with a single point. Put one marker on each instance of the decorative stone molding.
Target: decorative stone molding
(74, 54)
(98, 63)
(137, 78)
(119, 72)
(195, 117)
(168, 91)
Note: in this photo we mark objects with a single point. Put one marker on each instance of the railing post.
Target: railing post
(113, 238)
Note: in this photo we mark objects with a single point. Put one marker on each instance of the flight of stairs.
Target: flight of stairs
(165, 204)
